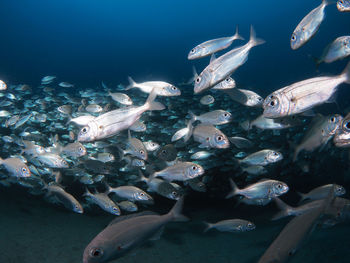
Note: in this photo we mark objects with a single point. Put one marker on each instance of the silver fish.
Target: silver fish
(231, 225)
(241, 142)
(342, 137)
(15, 167)
(94, 108)
(210, 137)
(212, 46)
(216, 117)
(161, 88)
(23, 120)
(228, 83)
(263, 157)
(338, 49)
(304, 95)
(225, 65)
(151, 146)
(65, 85)
(321, 131)
(121, 98)
(136, 148)
(245, 97)
(322, 191)
(3, 85)
(75, 149)
(201, 155)
(308, 27)
(207, 99)
(131, 193)
(271, 124)
(343, 5)
(47, 79)
(65, 109)
(103, 201)
(52, 160)
(128, 232)
(112, 122)
(263, 189)
(127, 206)
(180, 171)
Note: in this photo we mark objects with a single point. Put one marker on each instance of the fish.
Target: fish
(121, 98)
(75, 149)
(337, 50)
(65, 85)
(304, 95)
(308, 26)
(321, 192)
(262, 158)
(265, 188)
(160, 88)
(23, 120)
(65, 109)
(127, 206)
(112, 122)
(151, 146)
(216, 117)
(254, 201)
(255, 170)
(241, 142)
(103, 201)
(227, 83)
(128, 232)
(105, 157)
(212, 46)
(245, 97)
(82, 120)
(210, 137)
(138, 126)
(52, 160)
(342, 136)
(3, 85)
(131, 193)
(93, 108)
(231, 225)
(290, 238)
(16, 167)
(343, 5)
(225, 65)
(4, 113)
(69, 201)
(201, 155)
(167, 153)
(180, 171)
(271, 124)
(321, 131)
(207, 100)
(47, 79)
(136, 148)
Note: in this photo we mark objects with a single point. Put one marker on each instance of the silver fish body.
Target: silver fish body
(210, 137)
(338, 49)
(216, 117)
(262, 158)
(160, 88)
(245, 97)
(231, 225)
(180, 171)
(16, 167)
(131, 193)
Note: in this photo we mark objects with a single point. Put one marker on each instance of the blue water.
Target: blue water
(85, 42)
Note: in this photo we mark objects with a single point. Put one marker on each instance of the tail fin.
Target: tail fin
(326, 2)
(237, 35)
(175, 212)
(346, 73)
(132, 83)
(151, 104)
(108, 188)
(253, 39)
(208, 226)
(246, 125)
(142, 178)
(302, 197)
(193, 116)
(296, 153)
(105, 86)
(185, 133)
(285, 209)
(190, 130)
(234, 189)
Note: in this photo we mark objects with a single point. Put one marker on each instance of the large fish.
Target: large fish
(304, 95)
(161, 88)
(211, 46)
(112, 122)
(338, 49)
(225, 65)
(308, 27)
(128, 232)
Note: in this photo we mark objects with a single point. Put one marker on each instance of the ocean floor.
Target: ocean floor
(33, 231)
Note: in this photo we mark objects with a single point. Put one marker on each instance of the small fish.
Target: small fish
(308, 27)
(263, 189)
(240, 142)
(113, 242)
(321, 131)
(271, 124)
(342, 137)
(343, 5)
(304, 95)
(75, 149)
(23, 120)
(121, 98)
(93, 108)
(322, 191)
(131, 193)
(201, 155)
(47, 79)
(151, 146)
(136, 148)
(103, 201)
(225, 65)
(160, 88)
(207, 100)
(3, 85)
(82, 120)
(65, 85)
(105, 157)
(212, 46)
(245, 97)
(15, 167)
(52, 160)
(262, 158)
(255, 170)
(32, 149)
(5, 113)
(210, 137)
(180, 171)
(338, 49)
(167, 153)
(231, 225)
(216, 117)
(228, 83)
(7, 138)
(65, 109)
(127, 206)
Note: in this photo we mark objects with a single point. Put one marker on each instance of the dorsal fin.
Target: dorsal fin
(212, 58)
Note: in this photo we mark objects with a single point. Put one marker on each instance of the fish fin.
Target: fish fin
(297, 150)
(122, 218)
(239, 143)
(327, 2)
(178, 134)
(193, 116)
(131, 85)
(157, 235)
(237, 35)
(308, 113)
(212, 58)
(190, 130)
(246, 125)
(195, 74)
(151, 104)
(175, 212)
(108, 187)
(87, 193)
(203, 145)
(141, 177)
(346, 73)
(253, 39)
(285, 209)
(234, 190)
(207, 226)
(303, 197)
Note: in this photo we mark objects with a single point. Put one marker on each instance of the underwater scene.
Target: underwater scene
(175, 131)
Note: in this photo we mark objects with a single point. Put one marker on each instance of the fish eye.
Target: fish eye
(279, 186)
(174, 193)
(115, 209)
(332, 119)
(142, 152)
(347, 125)
(84, 130)
(164, 151)
(193, 50)
(142, 194)
(194, 168)
(219, 138)
(96, 252)
(80, 149)
(250, 225)
(173, 88)
(293, 37)
(198, 80)
(260, 99)
(227, 80)
(225, 114)
(24, 169)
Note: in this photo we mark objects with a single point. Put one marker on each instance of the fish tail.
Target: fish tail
(108, 187)
(237, 35)
(207, 226)
(234, 190)
(302, 197)
(131, 85)
(87, 192)
(327, 2)
(253, 39)
(285, 209)
(151, 104)
(141, 177)
(175, 212)
(346, 73)
(296, 153)
(193, 116)
(246, 125)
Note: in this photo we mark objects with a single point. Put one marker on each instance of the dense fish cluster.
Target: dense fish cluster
(114, 149)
